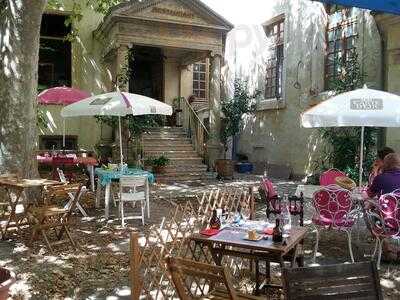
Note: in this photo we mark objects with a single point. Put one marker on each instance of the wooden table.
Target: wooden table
(17, 187)
(231, 242)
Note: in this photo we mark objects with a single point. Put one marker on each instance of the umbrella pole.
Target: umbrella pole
(63, 133)
(120, 140)
(361, 156)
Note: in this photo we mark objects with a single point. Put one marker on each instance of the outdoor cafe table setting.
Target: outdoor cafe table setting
(253, 240)
(69, 159)
(14, 210)
(105, 178)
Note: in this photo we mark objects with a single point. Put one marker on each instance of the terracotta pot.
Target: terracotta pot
(7, 279)
(159, 169)
(148, 168)
(224, 168)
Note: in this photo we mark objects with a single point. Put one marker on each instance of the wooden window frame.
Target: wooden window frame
(63, 39)
(343, 50)
(274, 67)
(196, 91)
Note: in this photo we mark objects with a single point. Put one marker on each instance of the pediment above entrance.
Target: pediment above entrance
(190, 12)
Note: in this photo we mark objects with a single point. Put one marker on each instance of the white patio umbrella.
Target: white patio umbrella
(118, 104)
(359, 108)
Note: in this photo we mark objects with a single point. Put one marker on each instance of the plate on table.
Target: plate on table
(259, 238)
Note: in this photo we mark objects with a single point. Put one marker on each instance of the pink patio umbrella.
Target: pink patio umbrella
(62, 95)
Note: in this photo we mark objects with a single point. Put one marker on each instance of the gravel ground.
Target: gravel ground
(99, 269)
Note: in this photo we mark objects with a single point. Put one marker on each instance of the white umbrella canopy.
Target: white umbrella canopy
(118, 104)
(359, 108)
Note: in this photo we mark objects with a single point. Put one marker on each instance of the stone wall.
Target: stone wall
(274, 134)
(89, 74)
(390, 27)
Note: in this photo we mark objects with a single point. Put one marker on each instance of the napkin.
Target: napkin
(209, 232)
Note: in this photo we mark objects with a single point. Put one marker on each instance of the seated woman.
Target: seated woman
(378, 163)
(389, 180)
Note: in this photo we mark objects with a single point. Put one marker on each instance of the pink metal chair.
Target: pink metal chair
(328, 177)
(384, 219)
(334, 209)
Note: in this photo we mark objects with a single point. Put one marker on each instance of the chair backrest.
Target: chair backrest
(77, 196)
(194, 279)
(137, 185)
(343, 281)
(333, 202)
(328, 177)
(268, 187)
(384, 215)
(63, 191)
(61, 175)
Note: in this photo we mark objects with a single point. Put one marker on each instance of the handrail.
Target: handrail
(196, 115)
(195, 128)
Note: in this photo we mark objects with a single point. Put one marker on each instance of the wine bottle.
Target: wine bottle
(277, 232)
(215, 222)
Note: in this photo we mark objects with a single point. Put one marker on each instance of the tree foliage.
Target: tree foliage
(343, 144)
(234, 109)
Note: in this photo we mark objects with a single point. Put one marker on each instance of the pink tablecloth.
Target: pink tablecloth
(88, 161)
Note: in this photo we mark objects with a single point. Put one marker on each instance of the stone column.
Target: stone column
(214, 145)
(121, 66)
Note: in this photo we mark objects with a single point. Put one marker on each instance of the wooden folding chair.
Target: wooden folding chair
(54, 218)
(195, 280)
(63, 179)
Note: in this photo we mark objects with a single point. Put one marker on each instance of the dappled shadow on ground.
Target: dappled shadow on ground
(99, 269)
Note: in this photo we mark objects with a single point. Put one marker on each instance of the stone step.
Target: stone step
(164, 136)
(186, 161)
(166, 129)
(151, 139)
(185, 168)
(171, 154)
(167, 147)
(168, 178)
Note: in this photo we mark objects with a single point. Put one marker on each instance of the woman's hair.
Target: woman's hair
(391, 162)
(384, 151)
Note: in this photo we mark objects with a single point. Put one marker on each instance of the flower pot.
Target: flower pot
(148, 168)
(7, 279)
(159, 169)
(224, 168)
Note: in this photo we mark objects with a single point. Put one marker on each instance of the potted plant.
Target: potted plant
(7, 279)
(159, 164)
(148, 164)
(234, 109)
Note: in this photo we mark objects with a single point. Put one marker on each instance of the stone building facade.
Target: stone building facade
(293, 44)
(389, 26)
(161, 41)
(181, 47)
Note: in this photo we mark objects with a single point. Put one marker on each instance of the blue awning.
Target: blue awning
(387, 6)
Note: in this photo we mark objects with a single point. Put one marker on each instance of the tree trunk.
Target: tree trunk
(19, 54)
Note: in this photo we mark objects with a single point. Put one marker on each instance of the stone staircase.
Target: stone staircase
(185, 164)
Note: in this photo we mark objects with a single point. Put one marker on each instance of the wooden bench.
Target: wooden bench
(343, 281)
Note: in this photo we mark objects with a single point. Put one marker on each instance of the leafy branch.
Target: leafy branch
(234, 109)
(342, 144)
